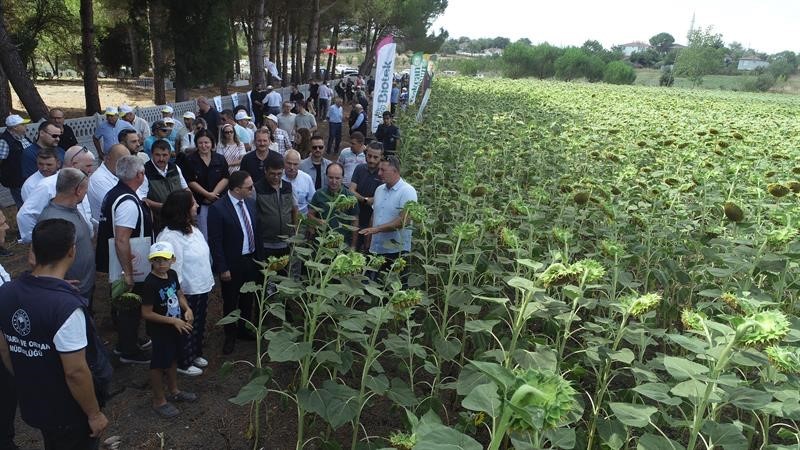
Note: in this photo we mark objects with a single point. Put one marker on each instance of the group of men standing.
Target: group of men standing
(77, 213)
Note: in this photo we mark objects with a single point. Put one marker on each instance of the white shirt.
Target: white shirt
(187, 141)
(302, 190)
(325, 92)
(273, 99)
(31, 183)
(4, 276)
(127, 215)
(192, 260)
(245, 239)
(349, 160)
(71, 337)
(142, 127)
(101, 181)
(28, 215)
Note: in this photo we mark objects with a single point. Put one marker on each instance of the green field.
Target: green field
(607, 266)
(650, 77)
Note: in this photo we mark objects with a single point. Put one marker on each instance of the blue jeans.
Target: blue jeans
(334, 136)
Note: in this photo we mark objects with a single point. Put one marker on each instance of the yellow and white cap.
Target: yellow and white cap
(161, 250)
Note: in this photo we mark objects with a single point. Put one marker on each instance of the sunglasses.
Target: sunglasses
(83, 150)
(317, 147)
(54, 136)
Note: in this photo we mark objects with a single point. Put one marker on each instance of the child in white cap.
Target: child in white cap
(168, 315)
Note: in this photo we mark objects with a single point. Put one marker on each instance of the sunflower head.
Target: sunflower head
(785, 359)
(638, 306)
(763, 328)
(692, 320)
(545, 393)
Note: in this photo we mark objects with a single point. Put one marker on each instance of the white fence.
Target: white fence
(84, 127)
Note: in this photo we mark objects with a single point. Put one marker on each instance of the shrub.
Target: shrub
(617, 72)
(761, 83)
(667, 78)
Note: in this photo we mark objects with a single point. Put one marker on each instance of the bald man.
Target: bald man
(76, 157)
(104, 179)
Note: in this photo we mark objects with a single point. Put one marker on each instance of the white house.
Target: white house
(635, 46)
(751, 63)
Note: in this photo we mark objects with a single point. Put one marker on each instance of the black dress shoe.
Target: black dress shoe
(227, 347)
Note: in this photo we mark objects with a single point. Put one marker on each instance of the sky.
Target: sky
(768, 26)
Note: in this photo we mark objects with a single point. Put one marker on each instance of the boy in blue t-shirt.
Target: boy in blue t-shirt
(162, 304)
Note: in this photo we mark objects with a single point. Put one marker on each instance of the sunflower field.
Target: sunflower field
(593, 267)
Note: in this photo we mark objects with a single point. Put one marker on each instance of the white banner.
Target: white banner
(270, 67)
(384, 76)
(418, 66)
(423, 104)
(218, 103)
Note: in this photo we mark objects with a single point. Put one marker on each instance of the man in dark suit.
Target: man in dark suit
(232, 236)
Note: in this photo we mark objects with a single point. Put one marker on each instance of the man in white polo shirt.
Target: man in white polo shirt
(391, 238)
(76, 157)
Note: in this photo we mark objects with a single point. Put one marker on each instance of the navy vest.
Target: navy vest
(11, 167)
(106, 228)
(31, 312)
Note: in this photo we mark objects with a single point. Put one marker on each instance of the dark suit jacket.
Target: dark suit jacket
(225, 236)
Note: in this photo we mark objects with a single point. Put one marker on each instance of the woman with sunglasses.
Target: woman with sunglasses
(206, 173)
(230, 147)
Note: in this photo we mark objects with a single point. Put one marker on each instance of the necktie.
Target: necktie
(251, 241)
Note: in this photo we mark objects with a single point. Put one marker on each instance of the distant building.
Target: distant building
(347, 44)
(751, 63)
(636, 46)
(493, 51)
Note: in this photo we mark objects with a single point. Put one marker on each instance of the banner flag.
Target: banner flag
(418, 67)
(272, 69)
(384, 77)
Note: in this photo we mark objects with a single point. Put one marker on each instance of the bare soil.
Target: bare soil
(212, 422)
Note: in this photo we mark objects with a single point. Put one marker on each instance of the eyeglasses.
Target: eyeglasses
(246, 188)
(317, 147)
(83, 150)
(54, 136)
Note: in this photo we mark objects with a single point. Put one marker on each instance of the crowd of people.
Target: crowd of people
(166, 211)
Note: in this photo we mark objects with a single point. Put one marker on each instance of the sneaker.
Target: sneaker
(191, 371)
(183, 396)
(138, 358)
(200, 362)
(167, 410)
(144, 343)
(116, 351)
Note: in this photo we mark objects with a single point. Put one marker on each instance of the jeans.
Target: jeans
(334, 136)
(322, 112)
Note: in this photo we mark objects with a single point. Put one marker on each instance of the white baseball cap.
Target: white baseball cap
(272, 118)
(241, 115)
(112, 111)
(168, 109)
(15, 119)
(125, 109)
(169, 120)
(189, 115)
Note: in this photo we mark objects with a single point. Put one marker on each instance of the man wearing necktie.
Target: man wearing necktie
(232, 229)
